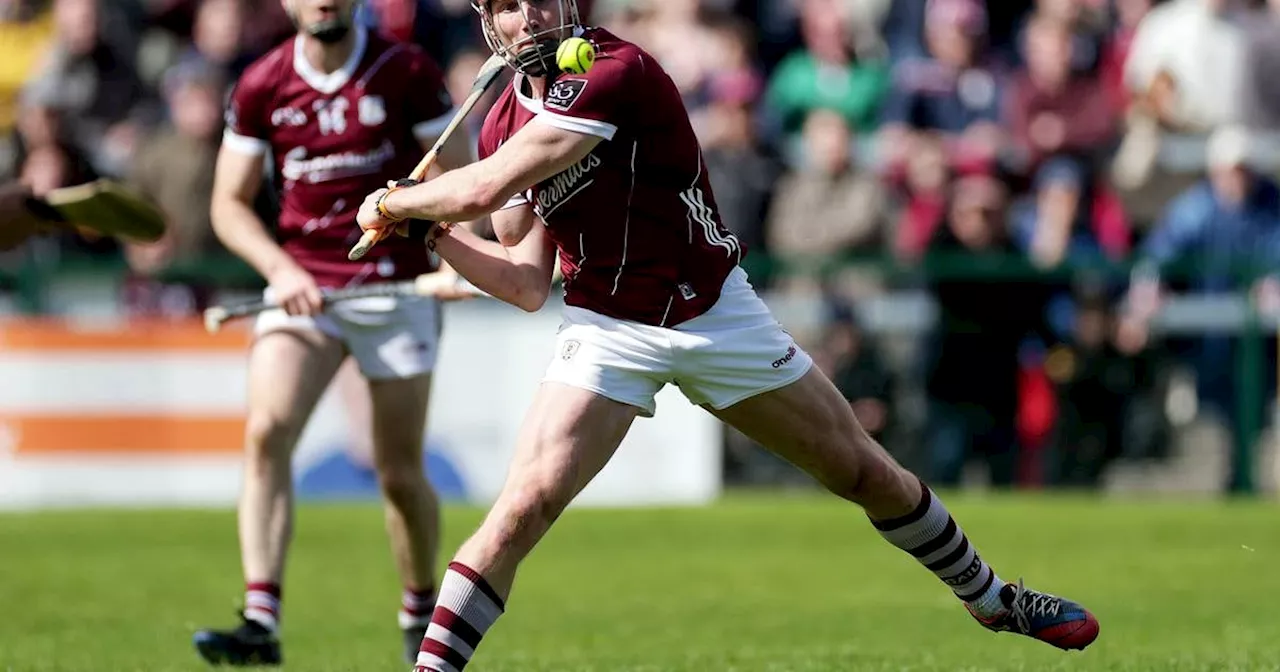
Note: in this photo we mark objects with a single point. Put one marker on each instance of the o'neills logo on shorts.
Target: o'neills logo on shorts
(791, 354)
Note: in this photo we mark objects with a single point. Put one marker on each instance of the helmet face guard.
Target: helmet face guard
(533, 55)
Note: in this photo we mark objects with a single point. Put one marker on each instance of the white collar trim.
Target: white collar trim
(529, 102)
(329, 83)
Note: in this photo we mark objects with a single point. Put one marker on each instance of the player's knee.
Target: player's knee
(268, 439)
(868, 473)
(402, 484)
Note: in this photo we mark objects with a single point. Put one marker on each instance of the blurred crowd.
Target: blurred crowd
(1056, 132)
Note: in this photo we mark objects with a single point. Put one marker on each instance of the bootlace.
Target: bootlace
(1028, 604)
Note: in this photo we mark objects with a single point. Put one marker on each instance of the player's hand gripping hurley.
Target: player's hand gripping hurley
(484, 79)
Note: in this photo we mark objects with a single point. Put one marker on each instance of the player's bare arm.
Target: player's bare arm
(536, 152)
(237, 179)
(517, 269)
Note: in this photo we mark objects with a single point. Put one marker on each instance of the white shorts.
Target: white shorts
(390, 337)
(732, 352)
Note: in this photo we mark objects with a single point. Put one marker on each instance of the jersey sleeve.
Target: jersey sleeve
(430, 106)
(596, 102)
(486, 145)
(247, 120)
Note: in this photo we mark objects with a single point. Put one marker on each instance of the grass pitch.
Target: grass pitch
(782, 582)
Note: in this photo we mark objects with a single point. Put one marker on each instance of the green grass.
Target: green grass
(755, 583)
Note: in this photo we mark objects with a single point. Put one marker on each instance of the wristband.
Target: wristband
(382, 205)
(441, 229)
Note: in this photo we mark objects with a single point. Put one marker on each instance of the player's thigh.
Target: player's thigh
(810, 424)
(289, 369)
(399, 414)
(568, 435)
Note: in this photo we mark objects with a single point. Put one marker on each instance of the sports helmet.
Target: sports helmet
(541, 58)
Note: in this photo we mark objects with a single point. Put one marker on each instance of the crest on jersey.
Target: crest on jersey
(564, 93)
(371, 110)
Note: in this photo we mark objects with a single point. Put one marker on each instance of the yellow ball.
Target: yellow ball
(576, 56)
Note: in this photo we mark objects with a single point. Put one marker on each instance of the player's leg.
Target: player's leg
(288, 371)
(738, 362)
(395, 344)
(809, 423)
(412, 507)
(568, 435)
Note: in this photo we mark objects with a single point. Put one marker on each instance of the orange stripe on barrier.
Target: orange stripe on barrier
(122, 434)
(48, 335)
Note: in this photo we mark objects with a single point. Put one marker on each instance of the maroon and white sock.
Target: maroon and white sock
(465, 610)
(262, 603)
(931, 535)
(416, 607)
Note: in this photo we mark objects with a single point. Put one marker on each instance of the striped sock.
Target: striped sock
(931, 535)
(467, 607)
(262, 603)
(416, 607)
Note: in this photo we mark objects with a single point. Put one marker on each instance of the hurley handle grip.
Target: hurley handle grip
(370, 237)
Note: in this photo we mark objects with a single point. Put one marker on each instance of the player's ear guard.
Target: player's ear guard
(413, 229)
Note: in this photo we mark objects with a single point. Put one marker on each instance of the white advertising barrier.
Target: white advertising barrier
(143, 415)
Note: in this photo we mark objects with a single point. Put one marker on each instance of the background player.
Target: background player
(609, 162)
(335, 108)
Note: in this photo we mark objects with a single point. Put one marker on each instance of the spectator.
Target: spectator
(1085, 24)
(1060, 122)
(1053, 112)
(731, 47)
(922, 184)
(94, 86)
(1228, 223)
(971, 365)
(175, 169)
(1065, 218)
(681, 41)
(217, 35)
(835, 70)
(743, 174)
(952, 90)
(1185, 65)
(828, 206)
(848, 356)
(1095, 382)
(925, 185)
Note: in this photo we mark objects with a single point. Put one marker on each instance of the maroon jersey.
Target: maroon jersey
(635, 223)
(334, 139)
